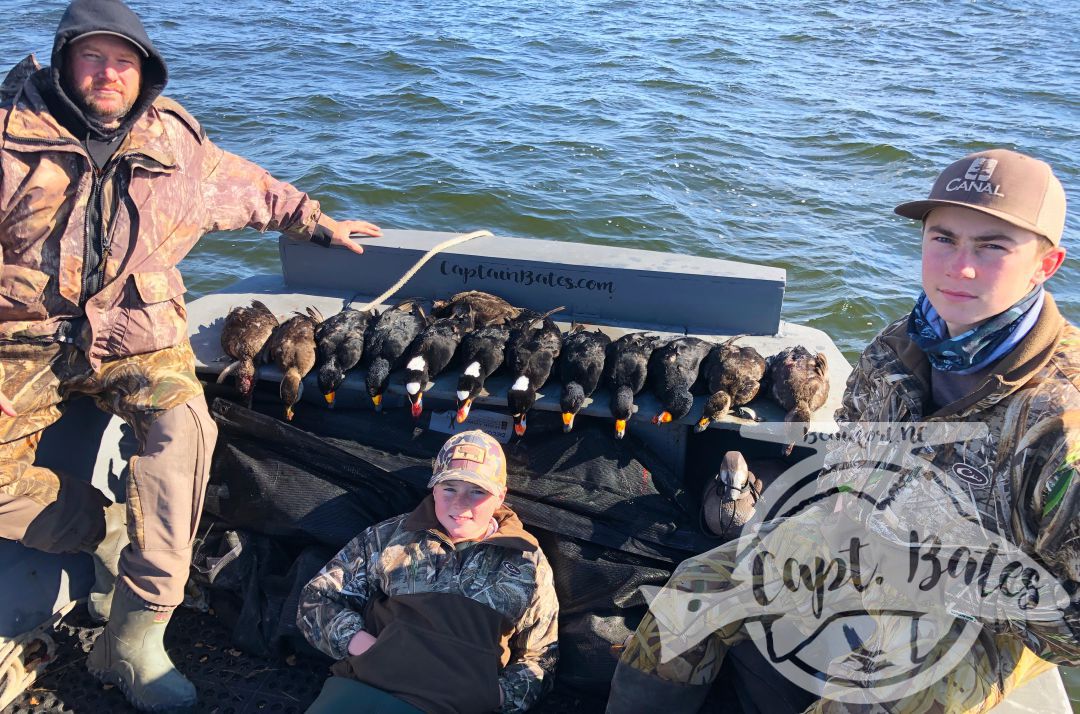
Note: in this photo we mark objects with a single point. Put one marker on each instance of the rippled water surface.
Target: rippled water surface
(778, 133)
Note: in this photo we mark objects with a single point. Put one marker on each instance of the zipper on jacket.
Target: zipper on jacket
(97, 182)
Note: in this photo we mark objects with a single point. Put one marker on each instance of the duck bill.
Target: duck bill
(519, 424)
(702, 424)
(329, 397)
(463, 411)
(567, 421)
(417, 407)
(620, 428)
(662, 418)
(377, 401)
(289, 413)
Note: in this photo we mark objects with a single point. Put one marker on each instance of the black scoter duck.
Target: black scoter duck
(673, 371)
(626, 367)
(339, 344)
(580, 368)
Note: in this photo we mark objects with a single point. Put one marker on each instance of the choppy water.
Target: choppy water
(779, 133)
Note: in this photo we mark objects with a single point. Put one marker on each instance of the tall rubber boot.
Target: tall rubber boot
(106, 556)
(130, 653)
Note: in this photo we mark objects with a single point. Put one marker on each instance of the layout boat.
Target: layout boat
(613, 289)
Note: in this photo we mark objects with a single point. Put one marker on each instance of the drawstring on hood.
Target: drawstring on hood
(84, 17)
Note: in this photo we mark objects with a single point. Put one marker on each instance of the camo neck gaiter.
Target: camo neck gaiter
(978, 347)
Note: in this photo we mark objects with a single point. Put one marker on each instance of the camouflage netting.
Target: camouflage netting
(284, 497)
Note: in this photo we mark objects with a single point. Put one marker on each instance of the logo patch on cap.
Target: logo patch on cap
(469, 452)
(977, 179)
(981, 169)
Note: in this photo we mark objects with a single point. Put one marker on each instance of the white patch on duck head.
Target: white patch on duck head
(412, 388)
(416, 364)
(521, 385)
(473, 370)
(462, 395)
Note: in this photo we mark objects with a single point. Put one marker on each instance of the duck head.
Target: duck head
(330, 378)
(467, 388)
(734, 474)
(414, 388)
(290, 391)
(622, 406)
(520, 399)
(245, 378)
(378, 375)
(716, 409)
(676, 407)
(573, 397)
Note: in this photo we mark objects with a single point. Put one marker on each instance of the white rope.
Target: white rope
(449, 243)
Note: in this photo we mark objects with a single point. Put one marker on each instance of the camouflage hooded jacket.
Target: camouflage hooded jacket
(453, 625)
(1022, 471)
(1017, 469)
(174, 186)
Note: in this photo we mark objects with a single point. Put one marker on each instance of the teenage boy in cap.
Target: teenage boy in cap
(105, 185)
(985, 344)
(450, 608)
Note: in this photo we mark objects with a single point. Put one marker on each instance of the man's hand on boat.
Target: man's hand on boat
(6, 406)
(343, 231)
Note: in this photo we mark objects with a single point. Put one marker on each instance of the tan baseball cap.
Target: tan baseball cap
(1016, 188)
(471, 456)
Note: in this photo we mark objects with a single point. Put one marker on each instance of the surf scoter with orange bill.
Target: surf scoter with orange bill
(580, 369)
(429, 354)
(531, 351)
(482, 353)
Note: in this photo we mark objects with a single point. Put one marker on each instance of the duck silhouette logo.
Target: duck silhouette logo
(869, 576)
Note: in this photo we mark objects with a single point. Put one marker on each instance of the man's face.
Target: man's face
(104, 72)
(975, 266)
(464, 509)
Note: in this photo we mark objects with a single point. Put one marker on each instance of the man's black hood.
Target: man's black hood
(110, 16)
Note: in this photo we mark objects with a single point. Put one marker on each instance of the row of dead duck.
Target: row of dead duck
(486, 334)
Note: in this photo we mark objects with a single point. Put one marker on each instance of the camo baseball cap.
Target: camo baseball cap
(471, 456)
(1014, 187)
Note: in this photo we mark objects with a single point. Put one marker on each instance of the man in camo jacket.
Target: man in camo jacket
(105, 185)
(450, 608)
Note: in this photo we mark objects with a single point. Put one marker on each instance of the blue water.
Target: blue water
(778, 133)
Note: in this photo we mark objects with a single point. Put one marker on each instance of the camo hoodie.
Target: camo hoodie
(1021, 473)
(454, 625)
(172, 186)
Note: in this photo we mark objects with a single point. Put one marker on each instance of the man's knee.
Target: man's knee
(166, 485)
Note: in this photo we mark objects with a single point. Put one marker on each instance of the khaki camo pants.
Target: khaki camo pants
(159, 397)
